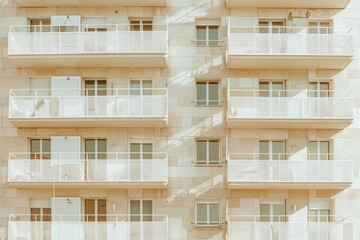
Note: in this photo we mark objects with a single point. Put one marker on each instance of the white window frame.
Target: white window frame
(207, 37)
(207, 163)
(96, 215)
(141, 23)
(270, 27)
(141, 89)
(41, 153)
(271, 90)
(207, 99)
(141, 208)
(96, 88)
(318, 27)
(207, 203)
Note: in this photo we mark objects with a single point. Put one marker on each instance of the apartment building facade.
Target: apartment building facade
(179, 119)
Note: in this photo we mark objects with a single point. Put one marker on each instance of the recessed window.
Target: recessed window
(207, 152)
(207, 32)
(272, 88)
(40, 149)
(95, 87)
(319, 27)
(141, 25)
(272, 26)
(207, 94)
(207, 214)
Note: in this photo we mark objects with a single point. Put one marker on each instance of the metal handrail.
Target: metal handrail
(283, 156)
(284, 218)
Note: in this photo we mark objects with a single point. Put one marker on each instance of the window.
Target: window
(141, 150)
(318, 150)
(207, 214)
(319, 27)
(40, 210)
(272, 150)
(141, 25)
(207, 35)
(95, 87)
(141, 210)
(272, 88)
(95, 148)
(95, 210)
(319, 89)
(208, 152)
(319, 210)
(141, 87)
(207, 94)
(272, 211)
(271, 26)
(40, 149)
(40, 25)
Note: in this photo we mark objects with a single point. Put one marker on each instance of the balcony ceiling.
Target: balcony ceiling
(287, 62)
(89, 60)
(95, 3)
(289, 123)
(88, 122)
(288, 185)
(288, 3)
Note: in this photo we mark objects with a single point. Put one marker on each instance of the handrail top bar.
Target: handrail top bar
(294, 154)
(84, 89)
(94, 24)
(287, 27)
(83, 214)
(295, 91)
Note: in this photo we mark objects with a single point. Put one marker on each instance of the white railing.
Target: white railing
(302, 104)
(263, 40)
(84, 227)
(88, 167)
(277, 168)
(87, 39)
(115, 103)
(289, 228)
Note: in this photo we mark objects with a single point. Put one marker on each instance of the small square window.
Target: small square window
(207, 94)
(207, 214)
(208, 152)
(207, 35)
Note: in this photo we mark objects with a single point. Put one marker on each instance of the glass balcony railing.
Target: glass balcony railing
(78, 167)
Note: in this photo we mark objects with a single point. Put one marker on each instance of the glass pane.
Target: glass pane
(313, 216)
(201, 214)
(324, 27)
(201, 152)
(278, 27)
(102, 148)
(263, 27)
(101, 210)
(264, 150)
(264, 212)
(201, 35)
(147, 87)
(147, 25)
(324, 215)
(101, 88)
(264, 89)
(313, 28)
(214, 214)
(324, 89)
(324, 150)
(90, 148)
(90, 88)
(35, 214)
(313, 150)
(147, 149)
(278, 150)
(214, 152)
(46, 214)
(213, 35)
(201, 93)
(135, 87)
(278, 212)
(147, 210)
(134, 25)
(135, 210)
(277, 89)
(213, 93)
(135, 150)
(90, 210)
(46, 149)
(35, 145)
(312, 92)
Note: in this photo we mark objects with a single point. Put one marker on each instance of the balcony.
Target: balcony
(75, 227)
(296, 227)
(288, 4)
(80, 46)
(114, 170)
(89, 3)
(258, 171)
(66, 108)
(288, 48)
(291, 110)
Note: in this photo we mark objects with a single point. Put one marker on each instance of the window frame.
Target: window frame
(207, 35)
(207, 93)
(208, 203)
(207, 161)
(141, 24)
(41, 153)
(141, 215)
